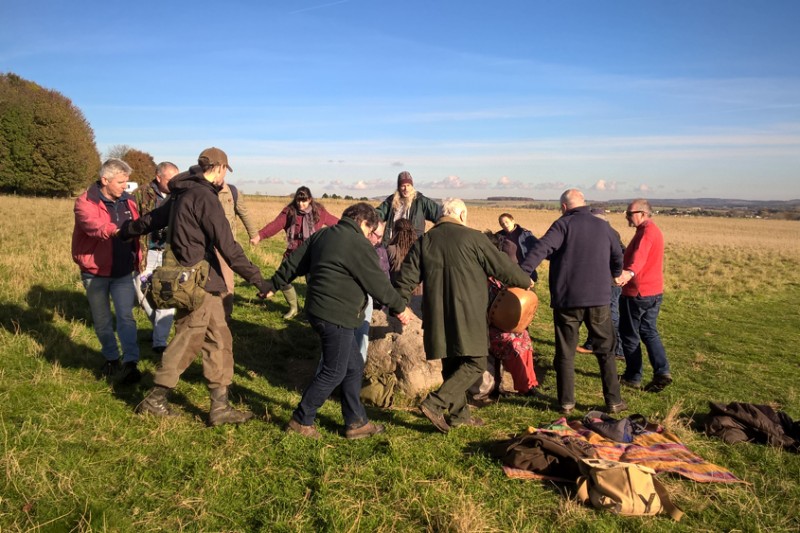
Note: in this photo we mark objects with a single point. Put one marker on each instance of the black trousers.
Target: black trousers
(567, 322)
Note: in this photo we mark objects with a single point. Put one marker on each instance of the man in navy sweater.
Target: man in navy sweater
(583, 253)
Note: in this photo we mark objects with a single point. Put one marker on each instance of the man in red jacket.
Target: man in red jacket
(642, 282)
(107, 264)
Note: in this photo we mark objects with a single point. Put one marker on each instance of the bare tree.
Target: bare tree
(118, 151)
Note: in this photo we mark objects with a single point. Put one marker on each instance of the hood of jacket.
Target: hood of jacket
(189, 179)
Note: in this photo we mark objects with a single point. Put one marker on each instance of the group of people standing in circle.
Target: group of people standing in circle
(382, 254)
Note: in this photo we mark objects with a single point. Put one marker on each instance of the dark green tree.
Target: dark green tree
(47, 147)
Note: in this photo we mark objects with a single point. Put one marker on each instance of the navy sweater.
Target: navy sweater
(583, 253)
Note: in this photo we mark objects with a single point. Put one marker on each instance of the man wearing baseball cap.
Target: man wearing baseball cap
(199, 227)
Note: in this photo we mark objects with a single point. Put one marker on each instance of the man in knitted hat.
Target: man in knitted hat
(407, 203)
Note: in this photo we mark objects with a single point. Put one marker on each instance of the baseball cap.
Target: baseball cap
(214, 156)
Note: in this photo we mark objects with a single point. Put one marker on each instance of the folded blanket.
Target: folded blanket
(660, 450)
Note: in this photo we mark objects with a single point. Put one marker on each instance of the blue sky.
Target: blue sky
(658, 99)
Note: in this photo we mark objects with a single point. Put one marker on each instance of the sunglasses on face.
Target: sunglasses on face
(631, 213)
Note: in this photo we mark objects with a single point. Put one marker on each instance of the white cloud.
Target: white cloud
(450, 182)
(551, 186)
(505, 183)
(603, 185)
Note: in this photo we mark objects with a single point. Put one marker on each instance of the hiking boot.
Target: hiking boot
(307, 431)
(156, 403)
(109, 368)
(533, 392)
(659, 383)
(437, 419)
(366, 430)
(129, 374)
(481, 402)
(222, 413)
(617, 408)
(472, 422)
(630, 384)
(159, 349)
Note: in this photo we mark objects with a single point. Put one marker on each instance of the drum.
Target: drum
(512, 309)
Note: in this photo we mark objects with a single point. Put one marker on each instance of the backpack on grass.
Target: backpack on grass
(624, 488)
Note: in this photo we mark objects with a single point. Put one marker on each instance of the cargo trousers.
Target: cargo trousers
(202, 330)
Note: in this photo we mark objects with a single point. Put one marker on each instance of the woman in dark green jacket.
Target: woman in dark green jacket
(342, 268)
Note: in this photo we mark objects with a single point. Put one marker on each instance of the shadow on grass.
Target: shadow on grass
(38, 321)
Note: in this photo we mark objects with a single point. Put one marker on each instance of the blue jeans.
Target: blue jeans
(616, 292)
(341, 365)
(160, 318)
(362, 333)
(100, 291)
(638, 315)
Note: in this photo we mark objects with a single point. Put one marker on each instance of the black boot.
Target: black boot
(221, 411)
(155, 403)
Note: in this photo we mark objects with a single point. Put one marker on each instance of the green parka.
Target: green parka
(342, 267)
(422, 209)
(454, 263)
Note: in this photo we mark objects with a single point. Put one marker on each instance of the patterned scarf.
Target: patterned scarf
(306, 226)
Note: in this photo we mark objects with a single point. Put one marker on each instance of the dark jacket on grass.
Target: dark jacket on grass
(583, 250)
(342, 267)
(455, 262)
(200, 226)
(746, 422)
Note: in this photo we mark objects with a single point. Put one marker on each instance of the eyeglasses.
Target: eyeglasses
(376, 234)
(631, 213)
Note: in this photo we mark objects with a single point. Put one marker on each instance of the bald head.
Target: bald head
(572, 198)
(641, 204)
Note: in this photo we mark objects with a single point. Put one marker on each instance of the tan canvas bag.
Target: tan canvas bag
(624, 488)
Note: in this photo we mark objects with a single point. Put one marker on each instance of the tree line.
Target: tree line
(47, 147)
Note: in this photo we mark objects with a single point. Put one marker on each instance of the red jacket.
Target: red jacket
(92, 247)
(645, 257)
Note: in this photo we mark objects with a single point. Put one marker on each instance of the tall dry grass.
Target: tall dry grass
(703, 255)
(735, 256)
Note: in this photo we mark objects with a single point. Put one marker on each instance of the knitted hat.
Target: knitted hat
(403, 178)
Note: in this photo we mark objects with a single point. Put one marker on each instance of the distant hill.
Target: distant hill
(509, 199)
(714, 203)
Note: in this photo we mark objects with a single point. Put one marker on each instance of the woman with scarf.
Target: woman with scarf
(300, 219)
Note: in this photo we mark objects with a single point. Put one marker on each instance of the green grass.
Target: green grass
(75, 457)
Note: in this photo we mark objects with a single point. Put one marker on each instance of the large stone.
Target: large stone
(399, 349)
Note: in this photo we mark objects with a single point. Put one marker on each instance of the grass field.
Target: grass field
(76, 458)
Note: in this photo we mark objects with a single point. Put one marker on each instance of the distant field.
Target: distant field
(75, 457)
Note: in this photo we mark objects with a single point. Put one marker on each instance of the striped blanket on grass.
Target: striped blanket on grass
(660, 450)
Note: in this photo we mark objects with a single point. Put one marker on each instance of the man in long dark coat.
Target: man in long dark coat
(454, 263)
